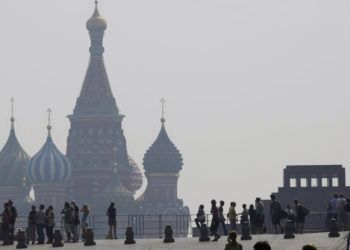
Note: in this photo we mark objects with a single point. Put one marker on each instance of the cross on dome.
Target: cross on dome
(49, 127)
(12, 112)
(163, 106)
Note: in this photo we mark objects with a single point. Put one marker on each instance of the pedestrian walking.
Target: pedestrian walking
(50, 224)
(252, 218)
(112, 221)
(75, 223)
(232, 216)
(31, 229)
(222, 217)
(40, 224)
(301, 213)
(12, 223)
(215, 221)
(5, 226)
(85, 211)
(260, 216)
(341, 213)
(275, 213)
(200, 217)
(68, 219)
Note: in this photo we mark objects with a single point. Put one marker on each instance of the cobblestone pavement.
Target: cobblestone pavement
(320, 240)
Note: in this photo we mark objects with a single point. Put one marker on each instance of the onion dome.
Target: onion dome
(13, 161)
(96, 23)
(117, 193)
(49, 165)
(162, 156)
(134, 180)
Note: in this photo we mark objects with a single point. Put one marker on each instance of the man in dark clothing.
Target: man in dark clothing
(31, 230)
(222, 217)
(5, 226)
(301, 212)
(275, 213)
(112, 221)
(215, 220)
(13, 213)
(40, 224)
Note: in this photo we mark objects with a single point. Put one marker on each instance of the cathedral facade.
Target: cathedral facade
(96, 168)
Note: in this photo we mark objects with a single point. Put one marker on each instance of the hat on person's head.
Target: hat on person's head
(232, 235)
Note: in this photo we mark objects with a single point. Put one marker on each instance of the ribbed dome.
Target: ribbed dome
(13, 161)
(96, 23)
(135, 179)
(162, 156)
(49, 165)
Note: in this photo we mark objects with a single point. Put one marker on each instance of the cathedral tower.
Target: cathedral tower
(96, 142)
(163, 163)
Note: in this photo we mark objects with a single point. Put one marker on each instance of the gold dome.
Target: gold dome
(96, 22)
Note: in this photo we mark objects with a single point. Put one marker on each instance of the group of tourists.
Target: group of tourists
(339, 209)
(41, 223)
(254, 216)
(295, 215)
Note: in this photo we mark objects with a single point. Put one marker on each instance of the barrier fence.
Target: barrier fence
(152, 226)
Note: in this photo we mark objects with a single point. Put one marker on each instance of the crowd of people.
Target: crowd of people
(254, 216)
(42, 221)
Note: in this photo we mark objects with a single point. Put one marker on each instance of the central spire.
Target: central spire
(96, 26)
(96, 96)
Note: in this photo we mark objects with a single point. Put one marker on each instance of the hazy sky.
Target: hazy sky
(251, 86)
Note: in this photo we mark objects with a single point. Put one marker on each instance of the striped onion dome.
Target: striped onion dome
(13, 161)
(162, 156)
(49, 165)
(134, 180)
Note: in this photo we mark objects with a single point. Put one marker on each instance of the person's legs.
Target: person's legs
(115, 231)
(41, 235)
(301, 228)
(281, 227)
(67, 230)
(222, 222)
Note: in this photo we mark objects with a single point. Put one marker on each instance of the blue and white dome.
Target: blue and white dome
(49, 165)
